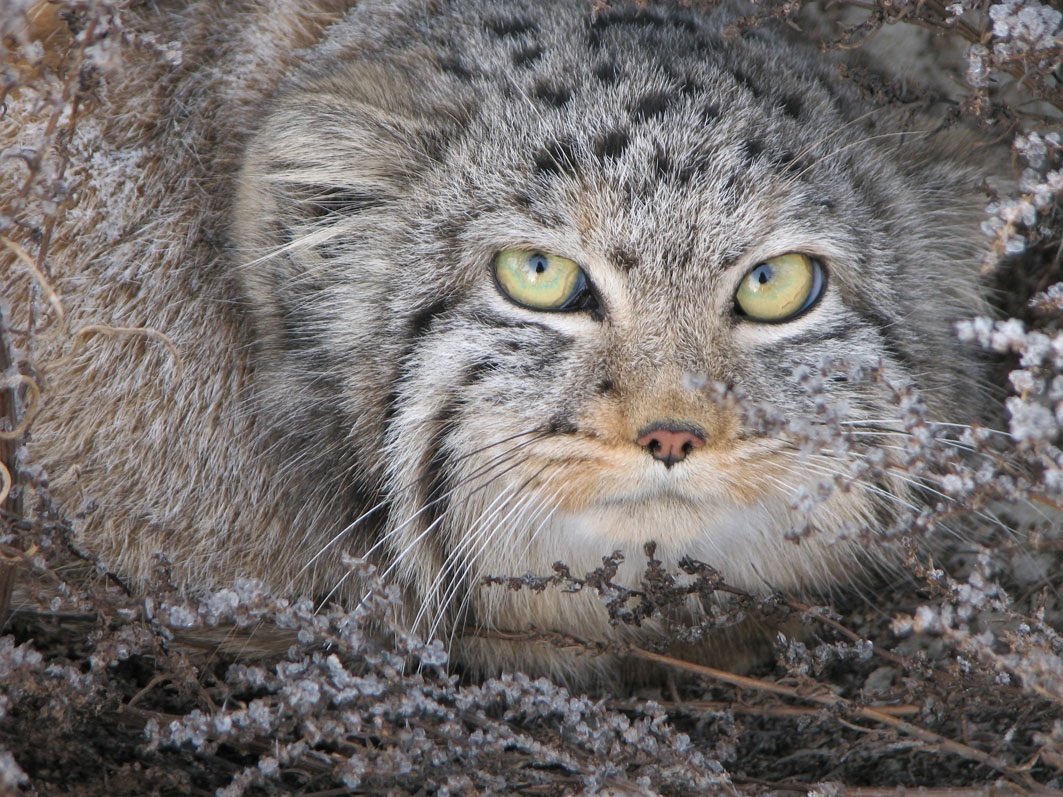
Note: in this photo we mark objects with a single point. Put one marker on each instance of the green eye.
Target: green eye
(780, 289)
(541, 281)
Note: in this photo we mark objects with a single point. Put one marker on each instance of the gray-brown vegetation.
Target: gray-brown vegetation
(948, 675)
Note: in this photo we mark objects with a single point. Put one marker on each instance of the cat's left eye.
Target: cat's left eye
(780, 289)
(541, 281)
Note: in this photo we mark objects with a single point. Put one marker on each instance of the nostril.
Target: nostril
(670, 442)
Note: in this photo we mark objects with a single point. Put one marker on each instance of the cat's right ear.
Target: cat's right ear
(351, 137)
(346, 135)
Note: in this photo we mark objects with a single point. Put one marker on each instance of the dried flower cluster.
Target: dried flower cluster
(950, 675)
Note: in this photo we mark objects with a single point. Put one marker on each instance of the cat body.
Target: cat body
(365, 372)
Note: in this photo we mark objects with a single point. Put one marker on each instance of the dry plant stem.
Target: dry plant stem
(23, 257)
(10, 499)
(1002, 790)
(33, 399)
(946, 22)
(976, 37)
(833, 701)
(721, 706)
(108, 331)
(996, 790)
(841, 629)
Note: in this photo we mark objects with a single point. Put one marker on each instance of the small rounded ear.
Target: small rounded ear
(352, 134)
(344, 136)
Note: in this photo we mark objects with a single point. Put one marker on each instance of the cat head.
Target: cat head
(511, 265)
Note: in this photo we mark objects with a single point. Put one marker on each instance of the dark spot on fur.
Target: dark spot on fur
(552, 94)
(510, 26)
(607, 72)
(651, 105)
(281, 233)
(527, 55)
(784, 159)
(433, 475)
(751, 150)
(523, 199)
(452, 63)
(643, 17)
(781, 352)
(745, 81)
(887, 330)
(881, 203)
(605, 387)
(562, 425)
(545, 336)
(391, 405)
(625, 259)
(790, 163)
(433, 145)
(690, 87)
(557, 158)
(478, 371)
(298, 332)
(366, 505)
(421, 321)
(612, 144)
(792, 106)
(710, 113)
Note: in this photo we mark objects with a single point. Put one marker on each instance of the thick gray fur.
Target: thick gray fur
(665, 156)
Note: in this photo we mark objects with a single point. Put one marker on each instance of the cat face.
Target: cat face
(511, 270)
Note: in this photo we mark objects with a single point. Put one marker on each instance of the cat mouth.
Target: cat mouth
(615, 477)
(702, 485)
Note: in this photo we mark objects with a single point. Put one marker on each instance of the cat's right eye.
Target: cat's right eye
(542, 281)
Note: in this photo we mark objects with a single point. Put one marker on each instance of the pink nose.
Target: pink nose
(671, 442)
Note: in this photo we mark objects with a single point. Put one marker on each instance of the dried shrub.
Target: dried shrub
(949, 676)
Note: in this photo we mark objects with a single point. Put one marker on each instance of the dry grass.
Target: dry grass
(949, 676)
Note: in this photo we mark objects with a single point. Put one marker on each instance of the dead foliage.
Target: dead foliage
(947, 675)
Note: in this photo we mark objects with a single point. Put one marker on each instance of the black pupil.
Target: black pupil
(538, 263)
(763, 274)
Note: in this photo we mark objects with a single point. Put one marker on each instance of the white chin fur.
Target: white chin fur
(753, 547)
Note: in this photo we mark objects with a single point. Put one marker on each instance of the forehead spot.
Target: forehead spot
(751, 150)
(551, 94)
(625, 259)
(504, 27)
(527, 55)
(453, 63)
(651, 105)
(792, 106)
(607, 72)
(662, 164)
(612, 144)
(745, 81)
(643, 17)
(557, 158)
